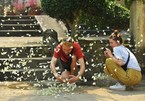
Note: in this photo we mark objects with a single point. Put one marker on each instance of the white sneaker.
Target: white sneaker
(118, 86)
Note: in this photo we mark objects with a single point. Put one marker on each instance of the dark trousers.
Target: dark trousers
(66, 65)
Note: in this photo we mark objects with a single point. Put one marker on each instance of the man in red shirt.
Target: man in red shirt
(69, 52)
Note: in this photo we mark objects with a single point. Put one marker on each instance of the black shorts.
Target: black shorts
(66, 65)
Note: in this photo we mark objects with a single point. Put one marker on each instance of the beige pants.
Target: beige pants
(129, 77)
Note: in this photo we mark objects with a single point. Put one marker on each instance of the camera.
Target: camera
(104, 48)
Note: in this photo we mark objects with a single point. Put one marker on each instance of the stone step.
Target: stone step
(26, 52)
(24, 47)
(93, 33)
(23, 75)
(20, 27)
(15, 20)
(28, 68)
(19, 21)
(20, 41)
(25, 69)
(9, 17)
(23, 56)
(24, 63)
(11, 33)
(21, 44)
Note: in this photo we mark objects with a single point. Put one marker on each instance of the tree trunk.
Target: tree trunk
(73, 25)
(137, 29)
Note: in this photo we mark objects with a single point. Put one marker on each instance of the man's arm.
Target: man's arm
(82, 67)
(52, 66)
(80, 73)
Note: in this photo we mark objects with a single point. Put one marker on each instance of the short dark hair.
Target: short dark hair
(68, 39)
(116, 36)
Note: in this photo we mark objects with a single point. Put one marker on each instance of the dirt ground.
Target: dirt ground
(26, 92)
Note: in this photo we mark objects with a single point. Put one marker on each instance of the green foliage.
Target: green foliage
(62, 9)
(105, 13)
(91, 12)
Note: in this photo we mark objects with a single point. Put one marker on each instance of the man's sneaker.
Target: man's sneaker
(118, 86)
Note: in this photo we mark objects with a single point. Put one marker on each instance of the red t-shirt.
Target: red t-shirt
(58, 52)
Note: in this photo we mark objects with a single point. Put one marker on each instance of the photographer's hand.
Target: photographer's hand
(108, 53)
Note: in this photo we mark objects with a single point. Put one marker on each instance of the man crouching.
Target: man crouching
(69, 52)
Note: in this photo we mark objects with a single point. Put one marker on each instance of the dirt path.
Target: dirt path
(83, 93)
